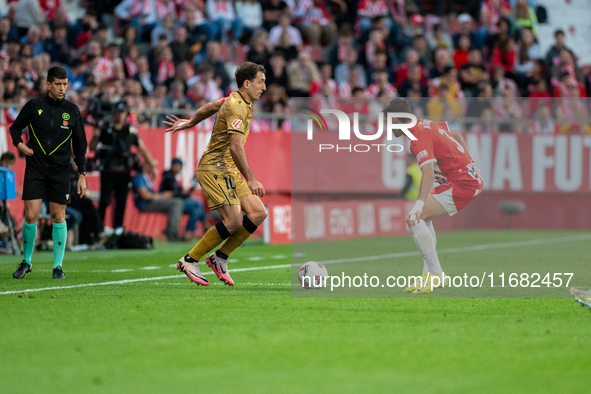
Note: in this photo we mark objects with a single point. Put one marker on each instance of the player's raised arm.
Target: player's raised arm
(239, 156)
(175, 124)
(458, 137)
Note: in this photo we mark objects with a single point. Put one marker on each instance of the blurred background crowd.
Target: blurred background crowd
(178, 55)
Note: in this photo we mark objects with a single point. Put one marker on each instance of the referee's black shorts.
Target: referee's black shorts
(49, 183)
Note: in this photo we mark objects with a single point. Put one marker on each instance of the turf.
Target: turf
(169, 335)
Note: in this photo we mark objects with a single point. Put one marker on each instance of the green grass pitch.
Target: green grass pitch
(128, 322)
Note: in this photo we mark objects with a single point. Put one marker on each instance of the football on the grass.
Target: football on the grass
(313, 275)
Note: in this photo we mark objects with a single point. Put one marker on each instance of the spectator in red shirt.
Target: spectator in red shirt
(491, 12)
(369, 9)
(505, 56)
(316, 88)
(48, 7)
(568, 64)
(567, 82)
(412, 59)
(461, 52)
(316, 23)
(539, 96)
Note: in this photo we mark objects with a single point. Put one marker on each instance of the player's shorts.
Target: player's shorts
(48, 184)
(455, 195)
(222, 188)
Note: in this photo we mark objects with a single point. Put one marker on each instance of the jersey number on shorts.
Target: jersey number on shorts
(230, 185)
(452, 139)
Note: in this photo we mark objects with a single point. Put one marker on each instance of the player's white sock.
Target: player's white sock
(432, 230)
(426, 243)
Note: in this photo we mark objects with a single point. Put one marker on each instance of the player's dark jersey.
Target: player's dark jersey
(53, 126)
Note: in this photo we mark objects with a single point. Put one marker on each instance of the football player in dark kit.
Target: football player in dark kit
(55, 130)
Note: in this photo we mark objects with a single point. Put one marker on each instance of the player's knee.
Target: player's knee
(58, 217)
(259, 216)
(233, 224)
(417, 227)
(31, 217)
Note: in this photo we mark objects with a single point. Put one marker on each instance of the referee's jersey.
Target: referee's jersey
(54, 126)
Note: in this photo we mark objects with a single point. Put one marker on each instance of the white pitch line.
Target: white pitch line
(117, 282)
(150, 268)
(223, 284)
(502, 245)
(584, 237)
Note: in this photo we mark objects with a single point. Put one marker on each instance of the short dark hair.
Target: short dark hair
(56, 72)
(558, 32)
(8, 155)
(357, 89)
(397, 104)
(503, 20)
(247, 72)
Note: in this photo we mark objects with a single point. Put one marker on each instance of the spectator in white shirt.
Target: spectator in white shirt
(251, 13)
(221, 13)
(285, 25)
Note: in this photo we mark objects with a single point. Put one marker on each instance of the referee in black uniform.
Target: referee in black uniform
(55, 129)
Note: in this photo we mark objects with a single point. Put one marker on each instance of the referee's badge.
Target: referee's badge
(65, 122)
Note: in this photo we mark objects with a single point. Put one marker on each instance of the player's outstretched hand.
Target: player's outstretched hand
(81, 186)
(256, 188)
(175, 124)
(413, 218)
(24, 149)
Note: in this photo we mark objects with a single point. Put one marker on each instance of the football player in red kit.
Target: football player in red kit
(443, 158)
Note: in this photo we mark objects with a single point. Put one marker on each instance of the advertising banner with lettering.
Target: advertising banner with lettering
(507, 162)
